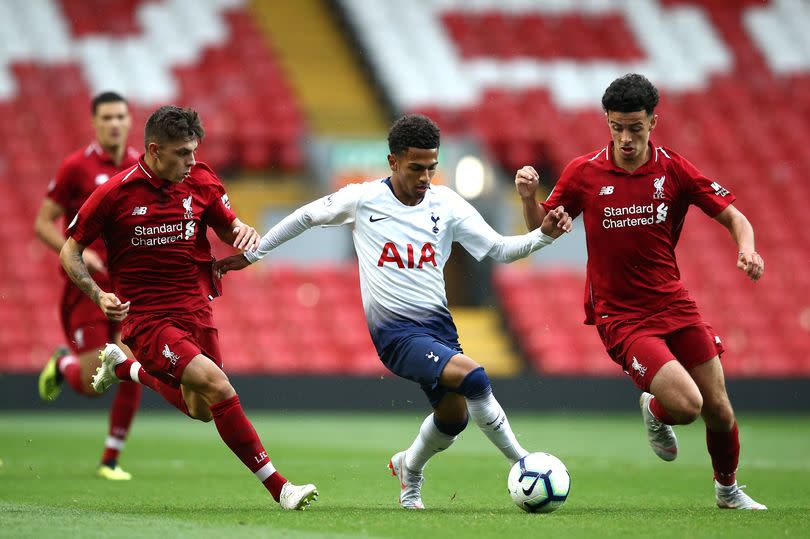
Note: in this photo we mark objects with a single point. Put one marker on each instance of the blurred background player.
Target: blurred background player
(85, 327)
(403, 229)
(634, 197)
(153, 218)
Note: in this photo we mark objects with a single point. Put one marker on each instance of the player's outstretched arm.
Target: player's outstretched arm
(748, 260)
(526, 182)
(75, 267)
(289, 227)
(510, 248)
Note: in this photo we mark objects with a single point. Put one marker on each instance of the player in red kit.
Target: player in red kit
(633, 197)
(153, 218)
(86, 328)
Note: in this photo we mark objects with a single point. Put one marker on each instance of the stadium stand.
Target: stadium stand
(735, 81)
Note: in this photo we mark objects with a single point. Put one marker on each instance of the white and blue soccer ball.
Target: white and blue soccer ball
(539, 483)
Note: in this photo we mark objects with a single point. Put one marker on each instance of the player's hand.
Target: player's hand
(526, 181)
(94, 263)
(556, 222)
(112, 306)
(230, 263)
(751, 263)
(245, 237)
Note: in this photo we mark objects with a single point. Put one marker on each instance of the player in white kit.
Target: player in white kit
(403, 229)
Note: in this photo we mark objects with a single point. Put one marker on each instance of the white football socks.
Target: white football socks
(428, 442)
(491, 419)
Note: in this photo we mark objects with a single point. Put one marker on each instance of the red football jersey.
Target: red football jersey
(632, 223)
(155, 231)
(79, 175)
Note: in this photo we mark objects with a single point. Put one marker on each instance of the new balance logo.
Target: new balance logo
(639, 367)
(139, 210)
(719, 190)
(606, 190)
(661, 213)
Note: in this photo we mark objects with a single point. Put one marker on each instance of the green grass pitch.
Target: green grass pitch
(187, 483)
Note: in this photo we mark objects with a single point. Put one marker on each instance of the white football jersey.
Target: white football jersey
(402, 250)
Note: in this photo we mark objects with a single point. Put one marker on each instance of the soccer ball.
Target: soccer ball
(539, 483)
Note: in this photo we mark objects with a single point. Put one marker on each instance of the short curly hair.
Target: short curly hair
(413, 131)
(630, 93)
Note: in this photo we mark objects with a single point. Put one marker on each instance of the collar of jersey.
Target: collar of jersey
(613, 167)
(100, 153)
(387, 181)
(149, 174)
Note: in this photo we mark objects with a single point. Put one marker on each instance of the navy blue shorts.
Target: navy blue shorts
(421, 357)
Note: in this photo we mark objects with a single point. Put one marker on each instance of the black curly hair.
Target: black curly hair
(413, 131)
(630, 93)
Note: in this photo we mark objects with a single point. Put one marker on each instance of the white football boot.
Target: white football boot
(733, 497)
(295, 497)
(410, 497)
(105, 376)
(661, 436)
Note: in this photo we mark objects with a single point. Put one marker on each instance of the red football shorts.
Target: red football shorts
(86, 327)
(165, 343)
(642, 346)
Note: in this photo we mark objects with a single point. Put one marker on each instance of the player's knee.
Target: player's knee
(475, 385)
(216, 388)
(687, 408)
(451, 428)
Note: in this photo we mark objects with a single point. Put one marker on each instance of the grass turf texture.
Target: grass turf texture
(188, 484)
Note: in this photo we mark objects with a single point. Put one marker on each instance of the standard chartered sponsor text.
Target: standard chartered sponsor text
(644, 215)
(174, 231)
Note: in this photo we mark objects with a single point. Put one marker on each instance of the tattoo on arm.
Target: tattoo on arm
(77, 271)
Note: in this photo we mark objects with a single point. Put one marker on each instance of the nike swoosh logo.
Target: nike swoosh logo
(373, 219)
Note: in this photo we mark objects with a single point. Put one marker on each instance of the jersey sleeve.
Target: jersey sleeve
(470, 229)
(706, 194)
(61, 187)
(565, 193)
(336, 209)
(88, 224)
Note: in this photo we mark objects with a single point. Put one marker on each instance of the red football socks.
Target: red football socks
(239, 435)
(724, 448)
(124, 405)
(661, 413)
